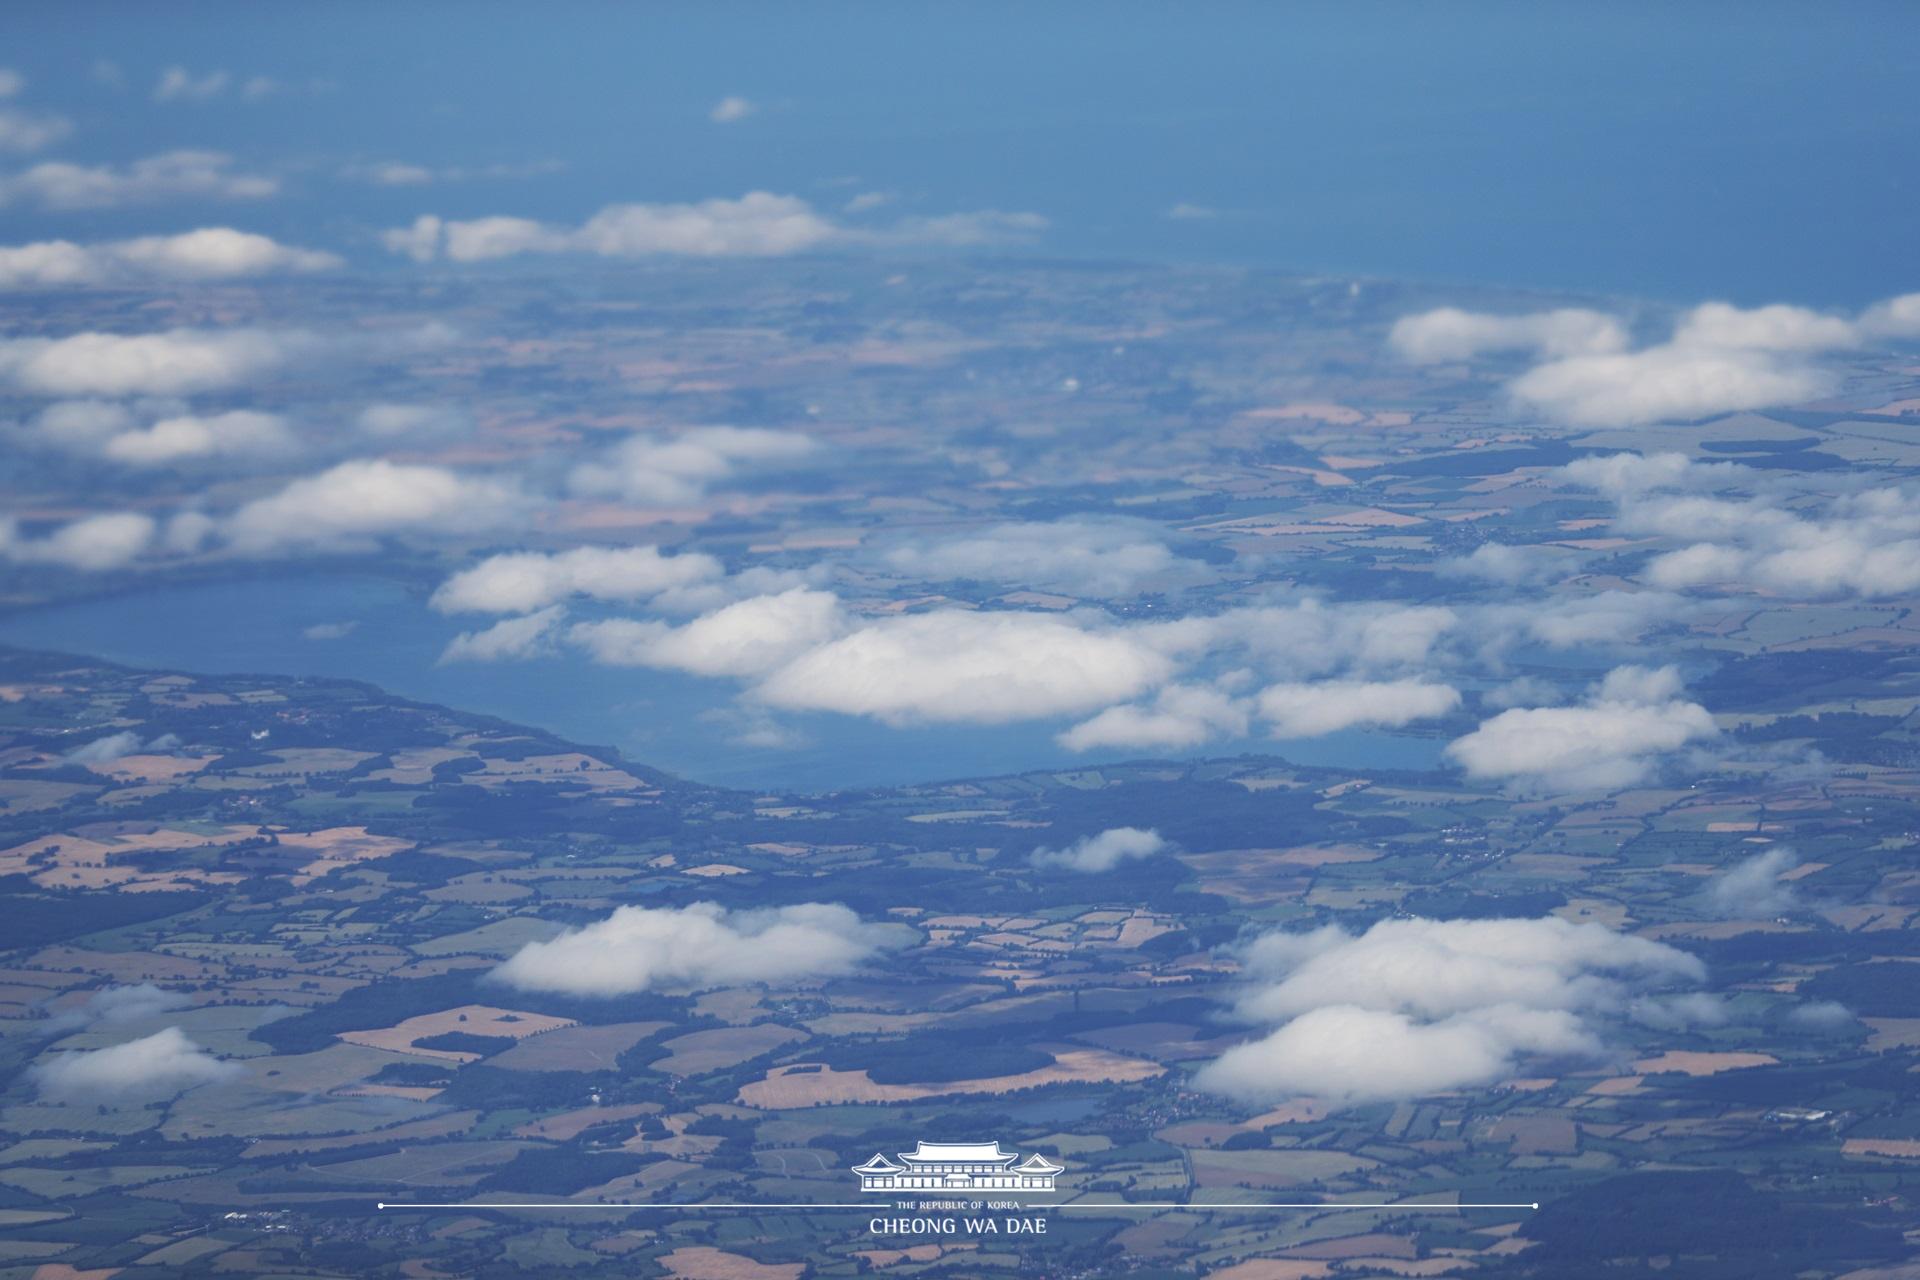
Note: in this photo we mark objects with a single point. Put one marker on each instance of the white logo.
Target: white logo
(958, 1166)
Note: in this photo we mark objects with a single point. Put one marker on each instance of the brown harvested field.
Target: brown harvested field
(1702, 1064)
(474, 1019)
(784, 1088)
(415, 767)
(1537, 1135)
(572, 768)
(1892, 1033)
(576, 1048)
(704, 1051)
(335, 847)
(1374, 1244)
(569, 1124)
(698, 1262)
(154, 768)
(1266, 1169)
(880, 1258)
(1904, 1148)
(1273, 1269)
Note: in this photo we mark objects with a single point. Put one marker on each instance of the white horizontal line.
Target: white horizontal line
(1203, 1204)
(610, 1204)
(1080, 1204)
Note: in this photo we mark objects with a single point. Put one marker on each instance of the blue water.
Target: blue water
(1755, 150)
(679, 723)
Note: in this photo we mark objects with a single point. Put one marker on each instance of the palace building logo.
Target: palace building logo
(958, 1166)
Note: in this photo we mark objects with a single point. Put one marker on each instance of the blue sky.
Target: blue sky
(1745, 151)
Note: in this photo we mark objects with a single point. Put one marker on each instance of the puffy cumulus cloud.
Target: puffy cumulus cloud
(1665, 384)
(175, 175)
(1720, 358)
(210, 253)
(1895, 318)
(520, 581)
(1772, 328)
(747, 638)
(156, 1066)
(1755, 889)
(1309, 710)
(509, 640)
(1079, 557)
(649, 469)
(1178, 716)
(698, 947)
(171, 362)
(1310, 638)
(1864, 543)
(1611, 740)
(1567, 620)
(731, 110)
(959, 667)
(1512, 566)
(236, 434)
(1351, 1055)
(1450, 334)
(93, 543)
(353, 505)
(1102, 852)
(759, 224)
(1414, 1007)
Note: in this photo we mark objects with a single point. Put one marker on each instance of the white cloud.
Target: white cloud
(1756, 888)
(23, 132)
(106, 750)
(648, 469)
(1864, 543)
(1665, 384)
(130, 1003)
(1079, 557)
(758, 224)
(1414, 1007)
(410, 422)
(960, 667)
(356, 503)
(1102, 852)
(177, 84)
(12, 83)
(747, 638)
(731, 110)
(94, 543)
(1895, 318)
(1772, 328)
(1611, 740)
(1450, 334)
(524, 580)
(186, 175)
(172, 362)
(1186, 212)
(1179, 716)
(511, 639)
(238, 433)
(157, 1066)
(1310, 710)
(697, 947)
